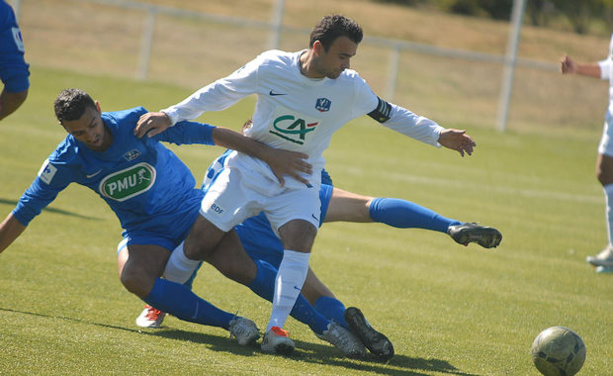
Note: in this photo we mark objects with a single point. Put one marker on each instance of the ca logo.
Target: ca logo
(292, 129)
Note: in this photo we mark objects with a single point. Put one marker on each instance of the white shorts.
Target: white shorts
(606, 146)
(237, 194)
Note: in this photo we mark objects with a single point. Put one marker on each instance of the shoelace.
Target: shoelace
(152, 313)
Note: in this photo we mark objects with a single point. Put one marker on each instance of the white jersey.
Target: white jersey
(606, 72)
(294, 112)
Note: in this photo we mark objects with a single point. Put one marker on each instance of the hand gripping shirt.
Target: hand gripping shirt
(295, 112)
(147, 186)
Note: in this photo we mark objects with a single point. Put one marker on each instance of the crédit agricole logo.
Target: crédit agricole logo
(292, 126)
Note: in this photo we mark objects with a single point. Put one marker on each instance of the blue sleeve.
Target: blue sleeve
(51, 180)
(188, 132)
(14, 71)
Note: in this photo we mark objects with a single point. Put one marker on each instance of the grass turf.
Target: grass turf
(448, 309)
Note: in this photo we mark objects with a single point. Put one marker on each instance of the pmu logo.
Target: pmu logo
(292, 129)
(323, 104)
(128, 182)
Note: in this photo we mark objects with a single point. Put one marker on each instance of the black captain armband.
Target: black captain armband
(382, 112)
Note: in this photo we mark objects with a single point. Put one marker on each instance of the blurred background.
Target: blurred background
(443, 59)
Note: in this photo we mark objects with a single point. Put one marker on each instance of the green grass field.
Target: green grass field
(449, 310)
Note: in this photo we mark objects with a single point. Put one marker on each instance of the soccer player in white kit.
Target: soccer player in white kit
(303, 98)
(604, 164)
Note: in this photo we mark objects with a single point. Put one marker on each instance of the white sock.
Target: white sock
(608, 192)
(179, 268)
(290, 278)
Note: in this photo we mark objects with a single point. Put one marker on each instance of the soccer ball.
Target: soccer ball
(558, 351)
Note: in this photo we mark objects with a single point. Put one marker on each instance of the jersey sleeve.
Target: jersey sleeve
(605, 69)
(188, 132)
(365, 100)
(51, 180)
(409, 124)
(218, 95)
(400, 119)
(606, 64)
(14, 71)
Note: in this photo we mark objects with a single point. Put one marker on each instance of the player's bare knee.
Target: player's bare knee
(604, 177)
(604, 169)
(136, 282)
(202, 240)
(298, 235)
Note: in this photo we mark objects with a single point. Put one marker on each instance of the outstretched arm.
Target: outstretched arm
(10, 230)
(569, 66)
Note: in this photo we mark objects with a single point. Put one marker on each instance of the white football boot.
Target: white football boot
(150, 318)
(277, 341)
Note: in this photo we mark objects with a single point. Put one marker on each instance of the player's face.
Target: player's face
(90, 129)
(333, 62)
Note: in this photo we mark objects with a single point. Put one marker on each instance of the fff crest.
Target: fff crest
(132, 155)
(323, 104)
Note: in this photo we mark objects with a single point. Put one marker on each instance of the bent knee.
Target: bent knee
(138, 283)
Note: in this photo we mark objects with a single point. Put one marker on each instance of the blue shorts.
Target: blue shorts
(166, 232)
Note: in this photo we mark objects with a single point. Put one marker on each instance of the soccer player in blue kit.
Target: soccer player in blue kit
(317, 306)
(150, 190)
(303, 98)
(14, 71)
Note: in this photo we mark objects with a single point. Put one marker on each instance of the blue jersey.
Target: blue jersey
(14, 70)
(256, 234)
(146, 185)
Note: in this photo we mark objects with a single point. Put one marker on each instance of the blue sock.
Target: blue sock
(264, 286)
(405, 214)
(181, 302)
(333, 309)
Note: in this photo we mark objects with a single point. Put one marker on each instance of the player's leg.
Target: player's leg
(230, 258)
(266, 250)
(199, 245)
(351, 318)
(604, 173)
(323, 299)
(227, 202)
(351, 207)
(294, 214)
(140, 267)
(202, 239)
(233, 262)
(150, 317)
(297, 237)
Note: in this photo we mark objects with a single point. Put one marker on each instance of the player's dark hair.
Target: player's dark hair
(331, 27)
(71, 104)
